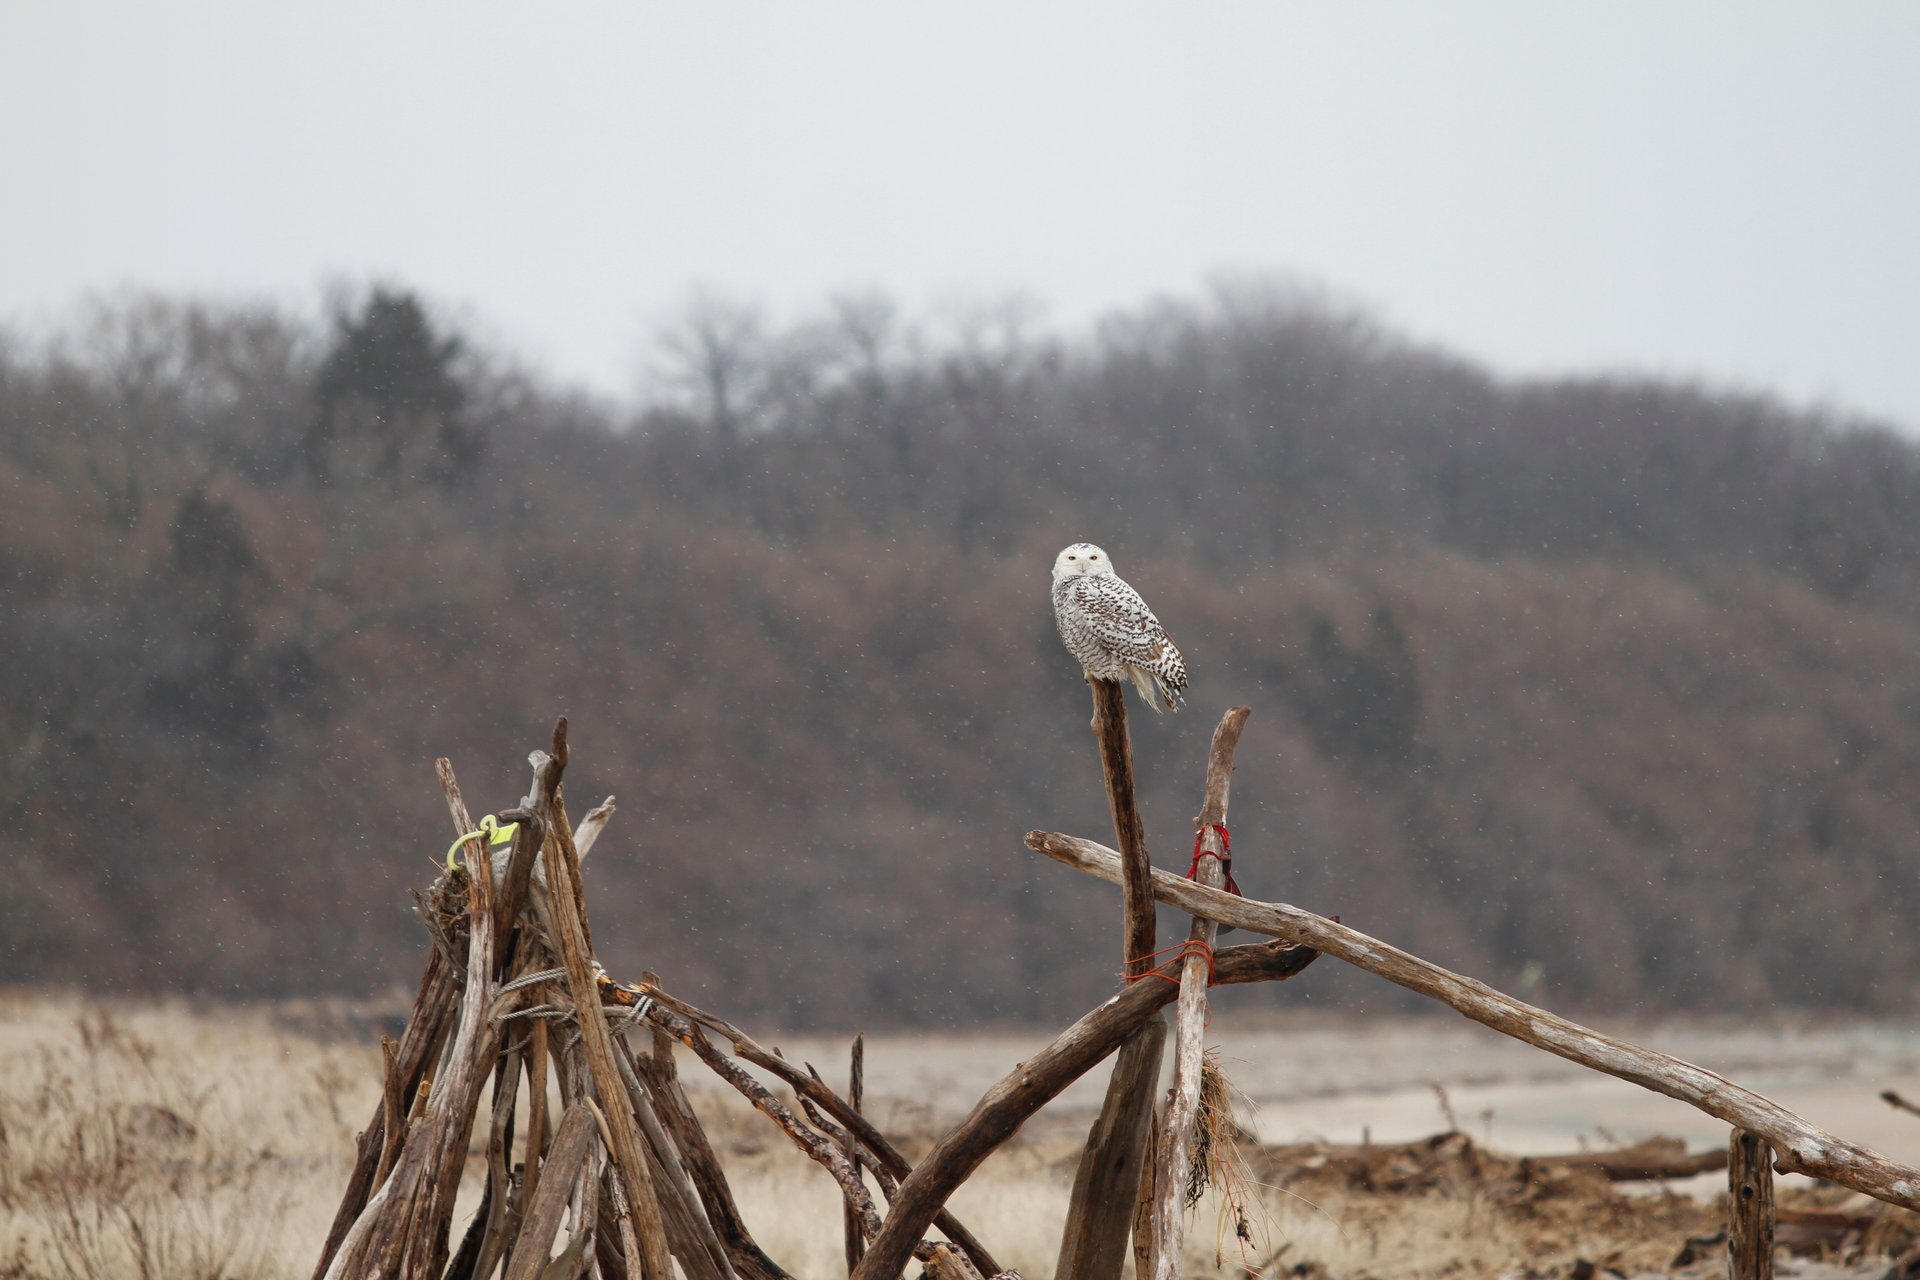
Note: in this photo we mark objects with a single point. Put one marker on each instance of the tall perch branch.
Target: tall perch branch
(1093, 1245)
(1116, 767)
(1175, 1155)
(1798, 1146)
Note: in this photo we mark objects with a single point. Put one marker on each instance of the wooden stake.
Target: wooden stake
(545, 1207)
(1174, 1157)
(564, 898)
(1107, 1184)
(1798, 1147)
(1750, 1207)
(856, 1095)
(1116, 767)
(1093, 1244)
(420, 1044)
(536, 1147)
(690, 1234)
(702, 1164)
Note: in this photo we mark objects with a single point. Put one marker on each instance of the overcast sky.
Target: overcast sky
(1722, 190)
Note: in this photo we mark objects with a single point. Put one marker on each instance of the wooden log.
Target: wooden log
(1655, 1160)
(856, 1243)
(408, 1235)
(1143, 1219)
(352, 1247)
(535, 1150)
(547, 1205)
(1174, 1157)
(690, 1236)
(1750, 1207)
(1798, 1146)
(1130, 832)
(816, 1148)
(1093, 1243)
(939, 1259)
(703, 1166)
(393, 1110)
(565, 902)
(1108, 1181)
(409, 1238)
(431, 1021)
(494, 1226)
(476, 1038)
(887, 1159)
(427, 1026)
(1032, 1084)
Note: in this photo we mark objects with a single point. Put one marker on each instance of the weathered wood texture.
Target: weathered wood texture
(885, 1159)
(1750, 1207)
(407, 1235)
(856, 1097)
(1116, 768)
(377, 1147)
(1101, 1209)
(1799, 1147)
(690, 1235)
(938, 1258)
(1005, 1107)
(702, 1164)
(1174, 1156)
(1099, 1216)
(545, 1207)
(562, 865)
(1655, 1160)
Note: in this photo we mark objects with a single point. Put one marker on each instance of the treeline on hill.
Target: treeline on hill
(1605, 688)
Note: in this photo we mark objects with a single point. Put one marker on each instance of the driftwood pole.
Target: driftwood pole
(562, 865)
(1750, 1207)
(879, 1154)
(1799, 1147)
(700, 1160)
(1174, 1156)
(856, 1095)
(1100, 1210)
(1116, 767)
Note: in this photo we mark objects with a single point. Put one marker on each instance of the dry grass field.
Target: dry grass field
(168, 1141)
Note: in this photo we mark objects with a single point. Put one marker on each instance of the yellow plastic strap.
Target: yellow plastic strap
(489, 827)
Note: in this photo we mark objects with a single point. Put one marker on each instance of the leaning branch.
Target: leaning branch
(1798, 1146)
(1175, 1155)
(886, 1156)
(1034, 1083)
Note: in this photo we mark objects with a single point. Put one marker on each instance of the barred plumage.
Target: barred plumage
(1108, 628)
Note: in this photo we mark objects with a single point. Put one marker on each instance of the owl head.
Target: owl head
(1081, 557)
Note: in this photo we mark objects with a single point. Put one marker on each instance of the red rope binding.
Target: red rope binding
(1170, 968)
(1225, 855)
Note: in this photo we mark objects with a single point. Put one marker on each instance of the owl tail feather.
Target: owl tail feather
(1154, 689)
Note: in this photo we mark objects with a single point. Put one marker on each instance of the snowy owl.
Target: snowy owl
(1108, 627)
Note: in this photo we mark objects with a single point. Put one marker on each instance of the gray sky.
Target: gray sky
(1729, 191)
